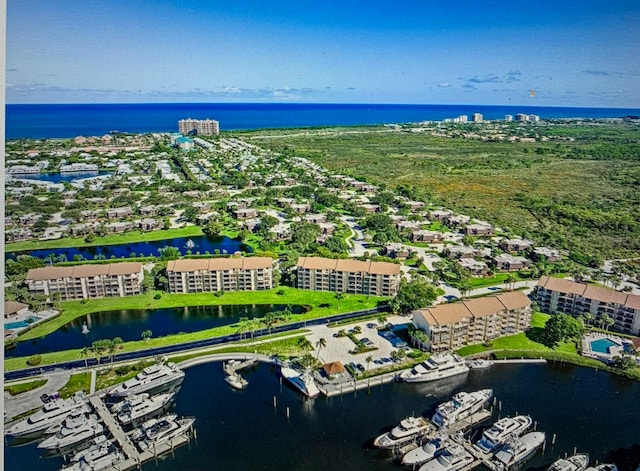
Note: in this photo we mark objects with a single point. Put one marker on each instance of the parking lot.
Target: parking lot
(338, 348)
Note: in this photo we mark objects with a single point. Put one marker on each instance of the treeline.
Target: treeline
(630, 151)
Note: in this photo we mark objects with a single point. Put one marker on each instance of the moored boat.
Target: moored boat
(479, 364)
(236, 381)
(51, 413)
(164, 431)
(131, 401)
(100, 463)
(153, 379)
(150, 406)
(603, 467)
(408, 429)
(426, 452)
(578, 462)
(69, 438)
(516, 450)
(302, 381)
(452, 458)
(505, 428)
(438, 366)
(98, 447)
(461, 406)
(139, 433)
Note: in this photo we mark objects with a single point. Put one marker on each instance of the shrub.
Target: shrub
(280, 292)
(157, 296)
(34, 360)
(122, 370)
(217, 294)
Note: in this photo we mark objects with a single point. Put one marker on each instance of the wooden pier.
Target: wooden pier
(134, 458)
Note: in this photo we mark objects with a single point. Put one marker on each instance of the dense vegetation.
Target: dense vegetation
(563, 191)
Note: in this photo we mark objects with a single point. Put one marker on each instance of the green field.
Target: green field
(562, 193)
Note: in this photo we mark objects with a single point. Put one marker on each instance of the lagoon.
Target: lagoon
(129, 324)
(197, 245)
(594, 411)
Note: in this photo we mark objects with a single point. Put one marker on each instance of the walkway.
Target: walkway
(16, 405)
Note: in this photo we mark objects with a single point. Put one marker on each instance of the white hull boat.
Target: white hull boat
(151, 380)
(165, 431)
(303, 382)
(99, 447)
(236, 381)
(494, 437)
(139, 433)
(479, 364)
(516, 450)
(438, 366)
(129, 402)
(52, 413)
(452, 458)
(149, 407)
(408, 429)
(461, 406)
(426, 452)
(67, 439)
(106, 462)
(577, 462)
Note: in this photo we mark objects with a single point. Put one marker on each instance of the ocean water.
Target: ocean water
(47, 121)
(592, 411)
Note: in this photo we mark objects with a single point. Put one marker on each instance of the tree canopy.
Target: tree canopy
(561, 327)
(413, 295)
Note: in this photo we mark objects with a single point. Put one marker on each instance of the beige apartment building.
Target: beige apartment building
(87, 281)
(452, 326)
(204, 127)
(555, 295)
(220, 274)
(348, 276)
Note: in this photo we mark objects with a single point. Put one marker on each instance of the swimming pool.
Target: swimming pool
(21, 324)
(603, 345)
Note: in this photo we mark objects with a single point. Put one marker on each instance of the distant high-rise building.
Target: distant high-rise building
(205, 127)
(534, 118)
(508, 118)
(477, 117)
(463, 118)
(521, 117)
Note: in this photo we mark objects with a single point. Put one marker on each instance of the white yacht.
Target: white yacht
(603, 467)
(152, 379)
(75, 419)
(135, 414)
(426, 452)
(129, 402)
(461, 406)
(51, 413)
(438, 366)
(516, 450)
(577, 462)
(101, 463)
(405, 431)
(99, 446)
(303, 382)
(139, 433)
(68, 438)
(501, 431)
(479, 364)
(164, 431)
(452, 458)
(236, 381)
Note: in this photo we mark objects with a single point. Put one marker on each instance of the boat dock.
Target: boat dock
(233, 366)
(134, 458)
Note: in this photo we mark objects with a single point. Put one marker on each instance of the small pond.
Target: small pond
(129, 324)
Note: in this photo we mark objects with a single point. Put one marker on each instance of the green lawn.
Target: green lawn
(16, 389)
(115, 239)
(322, 304)
(77, 382)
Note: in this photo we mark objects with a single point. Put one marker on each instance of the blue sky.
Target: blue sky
(571, 53)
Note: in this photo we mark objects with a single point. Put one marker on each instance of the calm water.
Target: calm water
(61, 177)
(593, 411)
(129, 324)
(202, 244)
(42, 121)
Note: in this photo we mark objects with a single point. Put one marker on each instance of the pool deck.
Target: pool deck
(43, 316)
(605, 357)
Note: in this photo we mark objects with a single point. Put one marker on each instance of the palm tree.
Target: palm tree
(304, 344)
(382, 319)
(607, 321)
(146, 335)
(510, 282)
(320, 344)
(338, 297)
(269, 320)
(85, 353)
(587, 317)
(369, 359)
(243, 326)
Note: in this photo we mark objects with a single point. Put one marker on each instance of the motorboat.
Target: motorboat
(75, 419)
(426, 452)
(479, 364)
(461, 406)
(516, 450)
(236, 381)
(302, 381)
(139, 433)
(129, 402)
(452, 458)
(137, 413)
(155, 378)
(494, 437)
(69, 438)
(578, 462)
(408, 429)
(98, 447)
(100, 463)
(52, 412)
(438, 366)
(164, 431)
